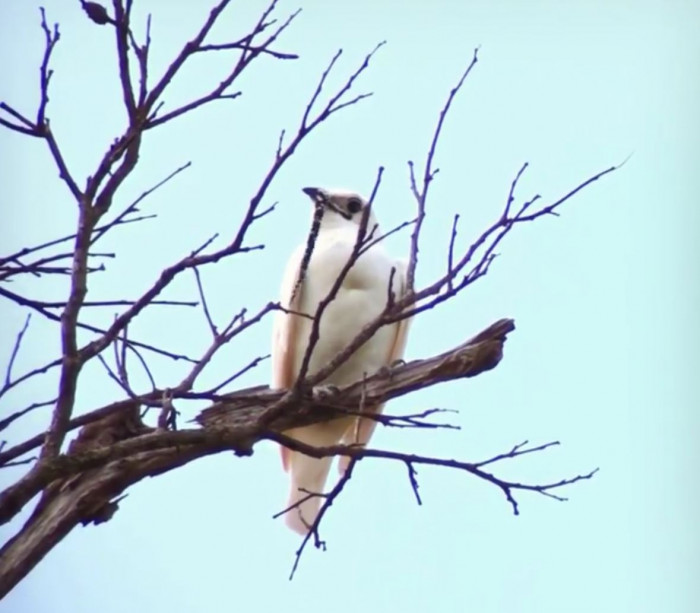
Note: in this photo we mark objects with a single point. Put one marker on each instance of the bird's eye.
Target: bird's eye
(354, 205)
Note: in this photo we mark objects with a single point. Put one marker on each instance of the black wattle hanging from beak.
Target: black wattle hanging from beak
(320, 201)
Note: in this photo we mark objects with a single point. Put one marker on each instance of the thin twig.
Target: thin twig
(119, 219)
(451, 251)
(248, 367)
(413, 478)
(205, 307)
(328, 500)
(15, 350)
(4, 423)
(421, 194)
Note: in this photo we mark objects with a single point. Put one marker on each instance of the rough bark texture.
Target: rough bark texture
(113, 454)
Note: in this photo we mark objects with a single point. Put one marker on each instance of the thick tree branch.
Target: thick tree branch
(118, 451)
(236, 422)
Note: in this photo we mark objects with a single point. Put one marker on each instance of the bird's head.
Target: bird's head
(340, 208)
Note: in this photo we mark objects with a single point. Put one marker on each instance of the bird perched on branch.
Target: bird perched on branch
(311, 273)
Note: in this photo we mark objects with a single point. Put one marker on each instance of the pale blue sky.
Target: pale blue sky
(604, 297)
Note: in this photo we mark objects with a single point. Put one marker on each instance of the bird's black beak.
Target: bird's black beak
(315, 194)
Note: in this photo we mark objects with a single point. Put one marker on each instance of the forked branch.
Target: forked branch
(114, 448)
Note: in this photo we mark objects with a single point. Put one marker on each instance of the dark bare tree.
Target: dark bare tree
(81, 480)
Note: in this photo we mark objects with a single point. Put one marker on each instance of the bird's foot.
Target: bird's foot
(387, 369)
(323, 392)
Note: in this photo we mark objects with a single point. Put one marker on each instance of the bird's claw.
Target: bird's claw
(323, 392)
(387, 369)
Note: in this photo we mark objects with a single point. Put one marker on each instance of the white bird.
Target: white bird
(361, 297)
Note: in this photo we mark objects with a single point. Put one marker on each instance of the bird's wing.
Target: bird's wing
(284, 333)
(361, 431)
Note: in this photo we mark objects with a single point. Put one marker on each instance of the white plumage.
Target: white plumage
(362, 296)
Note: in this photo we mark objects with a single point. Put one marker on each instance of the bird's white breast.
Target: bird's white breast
(362, 296)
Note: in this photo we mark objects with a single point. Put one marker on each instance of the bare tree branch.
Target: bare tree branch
(52, 316)
(203, 300)
(421, 194)
(15, 350)
(244, 47)
(228, 426)
(328, 500)
(85, 480)
(120, 219)
(473, 468)
(121, 18)
(5, 422)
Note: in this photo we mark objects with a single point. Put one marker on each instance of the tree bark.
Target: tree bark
(110, 455)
